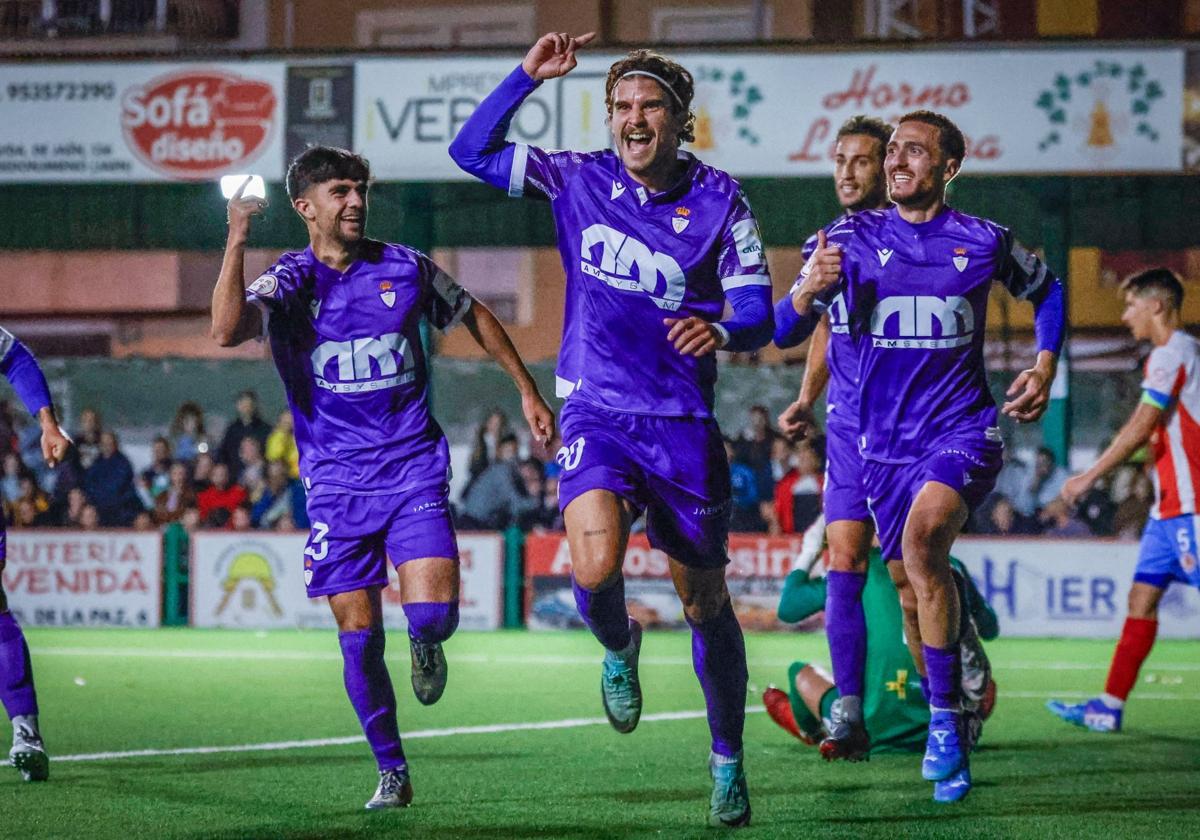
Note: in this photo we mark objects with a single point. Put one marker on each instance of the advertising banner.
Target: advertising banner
(756, 571)
(84, 579)
(246, 579)
(774, 114)
(1068, 588)
(141, 121)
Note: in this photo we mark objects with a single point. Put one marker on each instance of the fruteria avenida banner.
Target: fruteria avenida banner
(1078, 588)
(247, 579)
(758, 114)
(757, 568)
(130, 121)
(84, 579)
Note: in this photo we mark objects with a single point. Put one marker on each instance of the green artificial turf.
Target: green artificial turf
(115, 691)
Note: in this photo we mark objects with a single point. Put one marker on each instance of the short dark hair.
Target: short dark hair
(1159, 282)
(681, 87)
(869, 127)
(950, 137)
(318, 164)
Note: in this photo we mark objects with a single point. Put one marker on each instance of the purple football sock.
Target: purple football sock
(16, 671)
(846, 628)
(942, 667)
(603, 611)
(719, 657)
(370, 690)
(925, 688)
(431, 621)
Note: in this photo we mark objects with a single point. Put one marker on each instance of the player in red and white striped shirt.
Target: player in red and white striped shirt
(1168, 416)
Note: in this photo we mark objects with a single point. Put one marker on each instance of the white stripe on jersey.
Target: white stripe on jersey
(7, 340)
(516, 176)
(738, 280)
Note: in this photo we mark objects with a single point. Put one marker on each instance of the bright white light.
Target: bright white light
(255, 189)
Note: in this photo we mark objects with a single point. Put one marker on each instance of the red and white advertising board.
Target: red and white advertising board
(84, 579)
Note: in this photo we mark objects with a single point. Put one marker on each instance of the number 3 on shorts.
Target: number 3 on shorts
(318, 546)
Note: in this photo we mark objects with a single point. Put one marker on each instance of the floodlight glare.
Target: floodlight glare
(255, 189)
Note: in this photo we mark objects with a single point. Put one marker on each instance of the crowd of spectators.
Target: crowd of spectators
(249, 479)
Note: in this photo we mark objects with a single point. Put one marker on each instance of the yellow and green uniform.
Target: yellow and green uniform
(894, 707)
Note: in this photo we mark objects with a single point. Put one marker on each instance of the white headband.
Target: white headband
(658, 79)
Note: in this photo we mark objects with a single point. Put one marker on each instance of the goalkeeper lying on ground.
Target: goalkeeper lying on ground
(894, 705)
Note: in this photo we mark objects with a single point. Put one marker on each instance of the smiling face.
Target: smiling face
(858, 173)
(645, 127)
(335, 210)
(917, 172)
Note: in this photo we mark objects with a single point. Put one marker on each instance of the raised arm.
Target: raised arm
(233, 321)
(480, 147)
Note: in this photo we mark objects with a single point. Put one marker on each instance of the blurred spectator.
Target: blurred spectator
(1130, 516)
(77, 500)
(1013, 482)
(806, 489)
(14, 471)
(25, 515)
(239, 520)
(32, 506)
(1058, 521)
(1003, 519)
(143, 521)
(108, 483)
(776, 509)
(187, 431)
(202, 471)
(87, 437)
(282, 498)
(247, 423)
(89, 519)
(1047, 480)
(281, 444)
(253, 475)
(488, 436)
(1096, 508)
(745, 516)
(497, 497)
(538, 514)
(8, 427)
(178, 496)
(158, 475)
(754, 448)
(190, 519)
(218, 501)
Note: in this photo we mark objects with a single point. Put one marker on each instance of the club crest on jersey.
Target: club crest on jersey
(386, 294)
(618, 190)
(681, 219)
(885, 254)
(960, 259)
(265, 285)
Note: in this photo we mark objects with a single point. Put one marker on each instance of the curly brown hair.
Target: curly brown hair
(682, 87)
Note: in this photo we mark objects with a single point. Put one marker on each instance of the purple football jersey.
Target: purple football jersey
(917, 298)
(633, 258)
(348, 348)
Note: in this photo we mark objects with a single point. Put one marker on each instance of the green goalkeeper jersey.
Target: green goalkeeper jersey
(894, 707)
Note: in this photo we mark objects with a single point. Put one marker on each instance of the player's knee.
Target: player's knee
(844, 558)
(431, 622)
(596, 576)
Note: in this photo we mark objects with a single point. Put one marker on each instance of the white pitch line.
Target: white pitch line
(505, 659)
(485, 729)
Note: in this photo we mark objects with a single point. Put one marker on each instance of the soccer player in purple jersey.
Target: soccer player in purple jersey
(915, 279)
(833, 358)
(343, 319)
(17, 692)
(654, 245)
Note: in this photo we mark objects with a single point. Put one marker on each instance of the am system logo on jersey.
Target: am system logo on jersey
(915, 316)
(629, 265)
(196, 124)
(365, 364)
